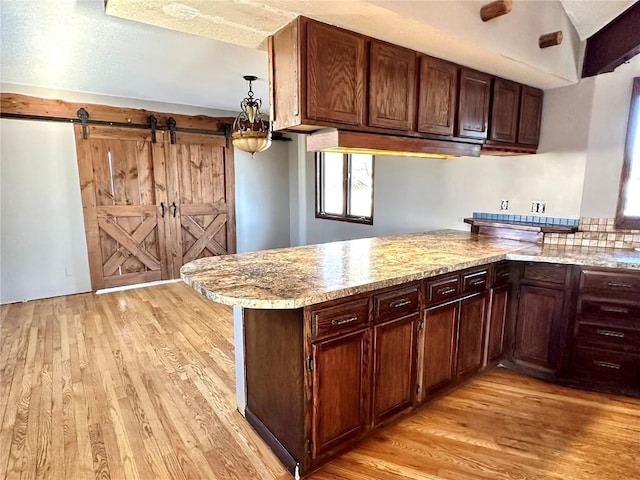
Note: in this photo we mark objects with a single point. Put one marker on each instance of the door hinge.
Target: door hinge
(418, 389)
(310, 363)
(309, 446)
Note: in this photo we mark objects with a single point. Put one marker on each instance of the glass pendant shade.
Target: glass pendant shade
(251, 128)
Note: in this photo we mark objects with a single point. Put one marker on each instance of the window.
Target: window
(628, 211)
(344, 187)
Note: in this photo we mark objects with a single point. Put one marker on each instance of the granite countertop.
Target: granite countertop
(299, 276)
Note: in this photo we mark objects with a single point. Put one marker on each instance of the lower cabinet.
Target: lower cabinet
(440, 335)
(341, 393)
(320, 378)
(472, 322)
(606, 333)
(539, 315)
(363, 364)
(453, 341)
(542, 321)
(394, 379)
(497, 323)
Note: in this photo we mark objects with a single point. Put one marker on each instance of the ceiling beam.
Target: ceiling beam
(614, 44)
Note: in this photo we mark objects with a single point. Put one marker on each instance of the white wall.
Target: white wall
(43, 252)
(262, 196)
(413, 194)
(607, 132)
(39, 173)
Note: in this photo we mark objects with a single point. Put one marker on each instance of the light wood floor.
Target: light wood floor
(140, 384)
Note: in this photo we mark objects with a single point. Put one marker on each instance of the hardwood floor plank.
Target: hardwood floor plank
(140, 384)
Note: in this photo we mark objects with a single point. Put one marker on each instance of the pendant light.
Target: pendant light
(251, 129)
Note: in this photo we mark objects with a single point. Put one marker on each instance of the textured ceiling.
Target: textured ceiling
(506, 46)
(73, 45)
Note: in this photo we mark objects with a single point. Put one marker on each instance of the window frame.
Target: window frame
(346, 191)
(633, 127)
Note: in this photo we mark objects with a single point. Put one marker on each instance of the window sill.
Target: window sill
(348, 219)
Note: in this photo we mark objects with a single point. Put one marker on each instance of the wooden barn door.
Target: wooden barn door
(122, 181)
(200, 178)
(149, 208)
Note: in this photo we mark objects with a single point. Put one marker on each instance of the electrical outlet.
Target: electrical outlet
(504, 205)
(538, 206)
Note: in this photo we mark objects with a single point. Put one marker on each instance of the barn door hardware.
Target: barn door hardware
(83, 115)
(171, 124)
(153, 123)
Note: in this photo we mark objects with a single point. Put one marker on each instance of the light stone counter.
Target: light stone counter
(299, 276)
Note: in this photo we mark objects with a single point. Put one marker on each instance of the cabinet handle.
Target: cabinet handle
(162, 209)
(614, 366)
(400, 303)
(503, 274)
(477, 282)
(610, 333)
(619, 285)
(343, 320)
(175, 209)
(445, 290)
(606, 308)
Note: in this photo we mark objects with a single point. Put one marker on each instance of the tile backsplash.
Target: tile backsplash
(504, 217)
(596, 232)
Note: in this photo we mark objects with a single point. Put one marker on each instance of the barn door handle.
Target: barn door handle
(175, 209)
(162, 209)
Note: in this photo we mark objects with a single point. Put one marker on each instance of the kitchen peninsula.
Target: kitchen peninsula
(339, 338)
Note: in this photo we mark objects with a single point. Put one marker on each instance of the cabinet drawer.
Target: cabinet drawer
(612, 282)
(606, 366)
(442, 288)
(474, 281)
(545, 272)
(501, 274)
(609, 309)
(608, 336)
(340, 318)
(395, 304)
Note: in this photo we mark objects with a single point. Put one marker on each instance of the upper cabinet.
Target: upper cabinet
(335, 75)
(473, 105)
(437, 96)
(391, 86)
(530, 116)
(504, 111)
(324, 76)
(515, 116)
(317, 76)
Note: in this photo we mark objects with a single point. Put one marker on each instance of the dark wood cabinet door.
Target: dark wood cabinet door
(394, 382)
(504, 111)
(473, 104)
(438, 93)
(497, 323)
(530, 115)
(341, 396)
(391, 86)
(537, 335)
(473, 312)
(335, 64)
(440, 327)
